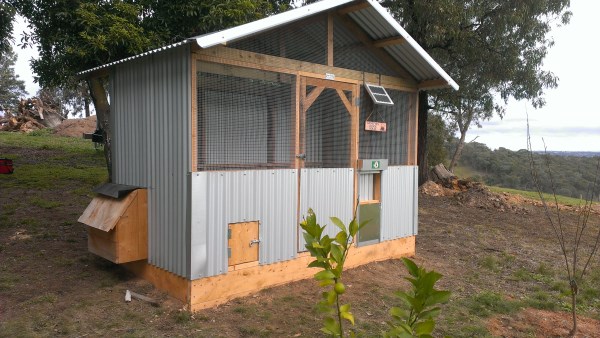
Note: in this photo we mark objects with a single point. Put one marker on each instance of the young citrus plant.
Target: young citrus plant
(330, 255)
(417, 318)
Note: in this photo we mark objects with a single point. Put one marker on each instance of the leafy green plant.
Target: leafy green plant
(417, 320)
(331, 254)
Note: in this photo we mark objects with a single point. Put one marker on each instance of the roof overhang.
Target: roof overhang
(383, 30)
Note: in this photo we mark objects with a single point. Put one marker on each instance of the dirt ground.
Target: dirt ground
(76, 127)
(499, 259)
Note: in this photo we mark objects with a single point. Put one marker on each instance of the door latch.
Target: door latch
(254, 241)
(301, 156)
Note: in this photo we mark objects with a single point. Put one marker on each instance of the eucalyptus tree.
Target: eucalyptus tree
(494, 48)
(75, 35)
(11, 87)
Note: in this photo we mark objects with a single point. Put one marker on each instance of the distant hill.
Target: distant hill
(572, 172)
(573, 153)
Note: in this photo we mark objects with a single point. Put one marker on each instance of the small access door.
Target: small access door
(242, 242)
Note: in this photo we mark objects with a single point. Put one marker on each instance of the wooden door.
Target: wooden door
(243, 242)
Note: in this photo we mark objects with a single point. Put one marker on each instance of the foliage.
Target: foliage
(510, 169)
(72, 100)
(489, 47)
(7, 13)
(421, 301)
(437, 137)
(11, 88)
(330, 254)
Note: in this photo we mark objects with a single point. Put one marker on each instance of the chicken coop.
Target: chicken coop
(222, 142)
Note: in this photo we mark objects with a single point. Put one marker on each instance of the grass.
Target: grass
(534, 196)
(46, 140)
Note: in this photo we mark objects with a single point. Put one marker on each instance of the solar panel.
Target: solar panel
(378, 94)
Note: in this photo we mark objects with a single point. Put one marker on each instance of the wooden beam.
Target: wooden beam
(345, 101)
(234, 57)
(353, 8)
(430, 84)
(311, 98)
(383, 55)
(211, 291)
(318, 82)
(395, 40)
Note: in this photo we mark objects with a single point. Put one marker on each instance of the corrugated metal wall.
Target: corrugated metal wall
(150, 102)
(399, 202)
(329, 192)
(220, 198)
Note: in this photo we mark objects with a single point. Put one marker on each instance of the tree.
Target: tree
(75, 35)
(439, 134)
(11, 88)
(7, 13)
(492, 47)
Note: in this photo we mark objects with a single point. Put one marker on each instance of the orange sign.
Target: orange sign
(376, 126)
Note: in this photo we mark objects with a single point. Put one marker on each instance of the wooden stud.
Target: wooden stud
(414, 111)
(377, 187)
(395, 40)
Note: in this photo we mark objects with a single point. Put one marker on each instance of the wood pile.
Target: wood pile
(32, 114)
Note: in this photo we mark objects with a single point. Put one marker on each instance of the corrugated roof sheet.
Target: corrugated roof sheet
(375, 20)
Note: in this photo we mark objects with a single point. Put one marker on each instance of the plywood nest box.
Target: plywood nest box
(118, 227)
(234, 135)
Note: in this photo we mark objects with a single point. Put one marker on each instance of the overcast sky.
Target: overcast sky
(570, 120)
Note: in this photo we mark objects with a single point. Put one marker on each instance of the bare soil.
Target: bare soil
(483, 244)
(76, 127)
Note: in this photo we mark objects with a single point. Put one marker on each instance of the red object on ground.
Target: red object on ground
(6, 166)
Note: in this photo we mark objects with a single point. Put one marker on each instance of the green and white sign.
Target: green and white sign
(373, 164)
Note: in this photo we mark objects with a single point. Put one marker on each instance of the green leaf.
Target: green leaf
(342, 239)
(331, 297)
(413, 269)
(425, 327)
(353, 227)
(431, 313)
(437, 297)
(336, 253)
(318, 264)
(338, 223)
(398, 313)
(331, 326)
(348, 316)
(325, 274)
(345, 308)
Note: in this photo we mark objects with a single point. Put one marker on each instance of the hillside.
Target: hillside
(496, 252)
(573, 173)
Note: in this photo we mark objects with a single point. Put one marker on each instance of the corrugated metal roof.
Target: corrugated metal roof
(154, 51)
(375, 20)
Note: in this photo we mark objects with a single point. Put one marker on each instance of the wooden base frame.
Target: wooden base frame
(247, 279)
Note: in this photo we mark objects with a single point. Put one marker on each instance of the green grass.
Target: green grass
(534, 196)
(44, 203)
(45, 140)
(47, 176)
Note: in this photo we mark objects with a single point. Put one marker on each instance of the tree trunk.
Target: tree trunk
(422, 150)
(100, 100)
(86, 104)
(458, 151)
(573, 307)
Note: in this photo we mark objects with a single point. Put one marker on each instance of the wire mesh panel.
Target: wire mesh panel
(327, 132)
(393, 143)
(349, 52)
(303, 41)
(246, 118)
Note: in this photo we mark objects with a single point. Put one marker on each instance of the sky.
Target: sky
(570, 120)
